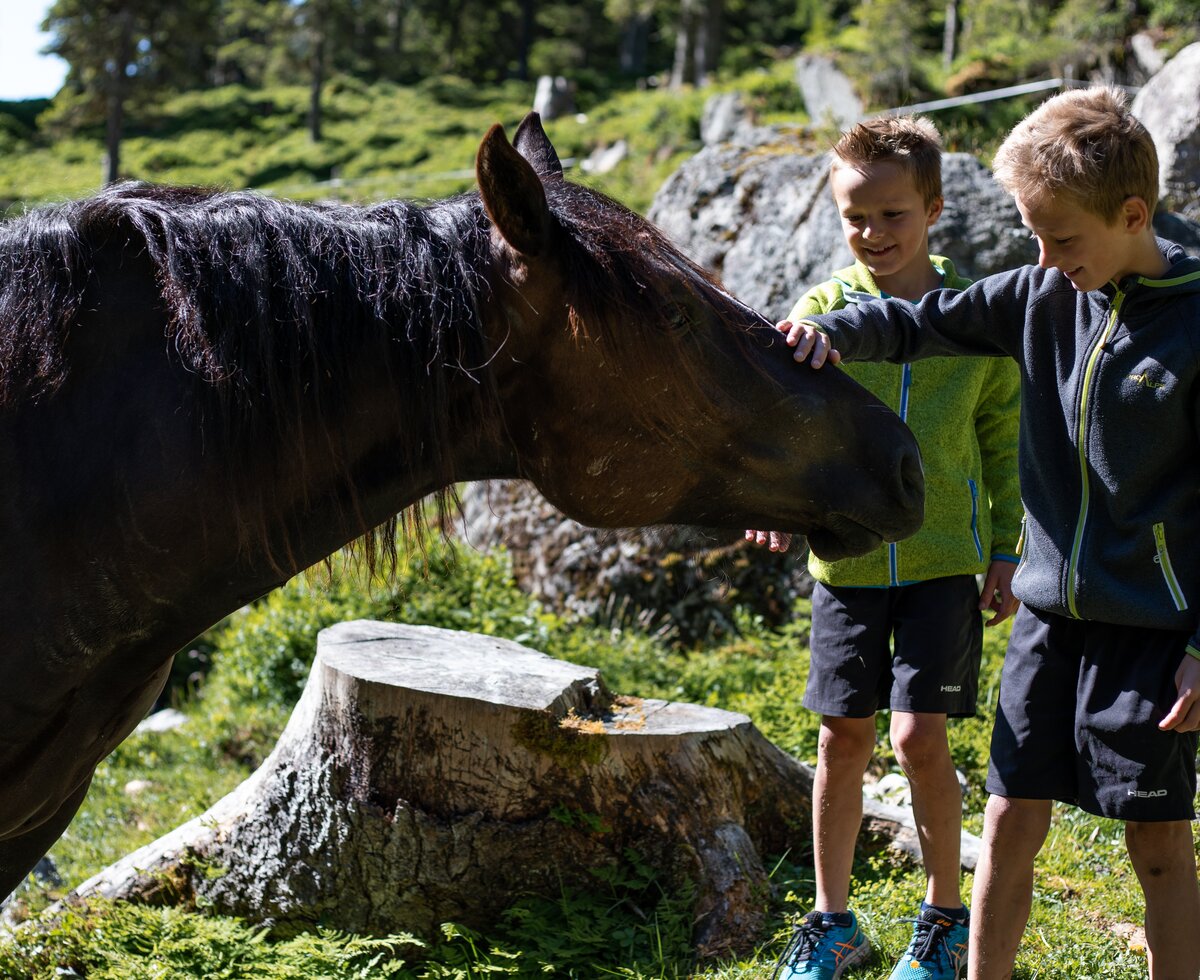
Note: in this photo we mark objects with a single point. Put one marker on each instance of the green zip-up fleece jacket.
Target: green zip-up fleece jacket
(965, 415)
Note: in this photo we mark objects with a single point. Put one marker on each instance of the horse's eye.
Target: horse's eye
(679, 321)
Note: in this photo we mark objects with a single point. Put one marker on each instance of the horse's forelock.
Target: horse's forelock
(621, 270)
(628, 288)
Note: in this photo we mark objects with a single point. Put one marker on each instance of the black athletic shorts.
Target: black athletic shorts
(908, 647)
(1077, 720)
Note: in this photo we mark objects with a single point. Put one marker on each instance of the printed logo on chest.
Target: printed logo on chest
(1146, 380)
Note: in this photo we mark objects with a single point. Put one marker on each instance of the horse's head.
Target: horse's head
(635, 391)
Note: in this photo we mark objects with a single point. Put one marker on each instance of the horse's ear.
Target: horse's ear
(534, 145)
(512, 193)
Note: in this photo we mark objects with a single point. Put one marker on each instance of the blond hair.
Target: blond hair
(1084, 144)
(911, 141)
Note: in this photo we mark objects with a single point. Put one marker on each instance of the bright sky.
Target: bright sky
(25, 74)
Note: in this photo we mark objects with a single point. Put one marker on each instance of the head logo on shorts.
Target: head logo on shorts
(1147, 794)
(951, 688)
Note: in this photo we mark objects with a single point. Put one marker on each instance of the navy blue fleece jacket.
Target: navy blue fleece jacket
(1109, 452)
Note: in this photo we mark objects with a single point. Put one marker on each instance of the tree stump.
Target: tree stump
(431, 776)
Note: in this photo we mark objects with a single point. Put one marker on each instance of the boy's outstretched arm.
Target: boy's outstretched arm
(987, 318)
(1184, 715)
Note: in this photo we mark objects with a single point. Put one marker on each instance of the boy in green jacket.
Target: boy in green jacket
(901, 628)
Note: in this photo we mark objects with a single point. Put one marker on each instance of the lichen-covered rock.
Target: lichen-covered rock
(764, 220)
(1169, 107)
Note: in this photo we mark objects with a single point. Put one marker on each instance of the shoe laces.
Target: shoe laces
(812, 943)
(807, 940)
(927, 935)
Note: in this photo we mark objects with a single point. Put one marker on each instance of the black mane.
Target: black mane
(263, 297)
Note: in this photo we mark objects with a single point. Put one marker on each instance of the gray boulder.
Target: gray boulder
(764, 219)
(724, 114)
(1169, 106)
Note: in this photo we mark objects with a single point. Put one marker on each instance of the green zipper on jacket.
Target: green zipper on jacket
(1164, 563)
(1085, 391)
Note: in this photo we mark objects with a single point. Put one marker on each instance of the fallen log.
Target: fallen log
(431, 776)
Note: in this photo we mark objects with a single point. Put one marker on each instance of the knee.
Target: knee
(919, 741)
(847, 741)
(1016, 826)
(1161, 847)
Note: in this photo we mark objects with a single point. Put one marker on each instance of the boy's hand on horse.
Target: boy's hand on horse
(775, 540)
(811, 344)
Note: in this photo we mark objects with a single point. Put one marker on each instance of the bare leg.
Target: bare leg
(924, 754)
(843, 752)
(1013, 833)
(1164, 859)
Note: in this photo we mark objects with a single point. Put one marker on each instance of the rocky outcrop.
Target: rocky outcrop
(1169, 106)
(763, 219)
(553, 97)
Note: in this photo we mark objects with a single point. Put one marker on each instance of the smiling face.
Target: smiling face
(886, 222)
(1088, 250)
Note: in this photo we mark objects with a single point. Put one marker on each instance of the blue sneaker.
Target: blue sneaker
(938, 950)
(818, 951)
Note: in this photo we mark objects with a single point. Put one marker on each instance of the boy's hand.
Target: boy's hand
(996, 594)
(775, 540)
(811, 344)
(1184, 715)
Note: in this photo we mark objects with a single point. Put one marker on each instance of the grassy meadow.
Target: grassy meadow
(419, 142)
(1086, 906)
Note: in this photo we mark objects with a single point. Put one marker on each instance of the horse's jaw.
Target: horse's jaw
(849, 540)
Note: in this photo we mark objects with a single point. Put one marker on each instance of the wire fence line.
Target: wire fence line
(1008, 92)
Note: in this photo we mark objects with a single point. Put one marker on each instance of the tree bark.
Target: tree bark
(118, 87)
(950, 34)
(316, 84)
(525, 45)
(429, 776)
(683, 65)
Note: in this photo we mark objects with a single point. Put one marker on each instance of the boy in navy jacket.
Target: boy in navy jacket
(1100, 693)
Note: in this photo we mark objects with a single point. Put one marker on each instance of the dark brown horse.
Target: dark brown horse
(202, 393)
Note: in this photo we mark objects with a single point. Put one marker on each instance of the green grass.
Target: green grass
(379, 142)
(627, 925)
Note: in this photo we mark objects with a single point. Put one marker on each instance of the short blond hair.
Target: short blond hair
(1085, 144)
(911, 141)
